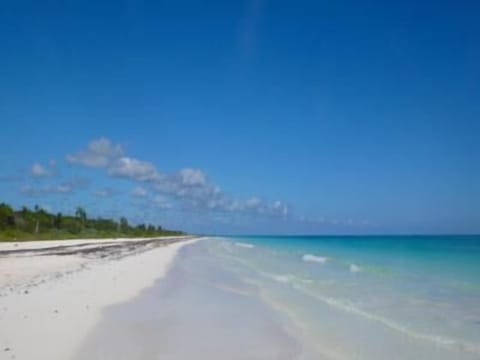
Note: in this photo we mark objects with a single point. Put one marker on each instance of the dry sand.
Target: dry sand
(52, 292)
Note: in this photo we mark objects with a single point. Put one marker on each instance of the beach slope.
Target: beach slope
(52, 293)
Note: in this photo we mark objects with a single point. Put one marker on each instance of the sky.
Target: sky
(245, 117)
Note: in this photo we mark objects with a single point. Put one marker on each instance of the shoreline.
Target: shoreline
(200, 299)
(52, 293)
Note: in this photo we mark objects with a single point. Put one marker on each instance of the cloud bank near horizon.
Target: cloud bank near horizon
(188, 187)
(152, 190)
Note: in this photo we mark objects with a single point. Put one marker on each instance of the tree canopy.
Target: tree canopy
(39, 224)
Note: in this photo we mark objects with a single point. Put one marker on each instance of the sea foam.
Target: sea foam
(314, 258)
(282, 278)
(451, 343)
(354, 268)
(244, 245)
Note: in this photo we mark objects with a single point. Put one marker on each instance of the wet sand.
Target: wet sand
(198, 311)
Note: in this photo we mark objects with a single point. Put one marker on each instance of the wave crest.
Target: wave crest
(314, 258)
(244, 245)
(355, 268)
(282, 278)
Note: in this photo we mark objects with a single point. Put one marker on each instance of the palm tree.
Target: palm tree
(57, 220)
(81, 215)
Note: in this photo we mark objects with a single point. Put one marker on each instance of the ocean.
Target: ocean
(306, 297)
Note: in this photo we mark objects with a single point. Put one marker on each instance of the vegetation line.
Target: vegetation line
(39, 224)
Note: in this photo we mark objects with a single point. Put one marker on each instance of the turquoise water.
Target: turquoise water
(304, 298)
(369, 297)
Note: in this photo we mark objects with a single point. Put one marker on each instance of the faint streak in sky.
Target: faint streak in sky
(249, 29)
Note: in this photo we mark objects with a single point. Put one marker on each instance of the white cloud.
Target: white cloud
(139, 192)
(281, 208)
(253, 203)
(187, 188)
(46, 190)
(39, 171)
(190, 187)
(104, 193)
(234, 206)
(193, 177)
(161, 202)
(133, 169)
(322, 221)
(99, 154)
(64, 188)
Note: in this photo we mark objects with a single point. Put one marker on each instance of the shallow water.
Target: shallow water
(305, 298)
(199, 311)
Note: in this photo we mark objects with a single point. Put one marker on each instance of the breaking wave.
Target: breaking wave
(314, 258)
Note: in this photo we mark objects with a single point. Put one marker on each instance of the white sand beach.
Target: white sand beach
(52, 293)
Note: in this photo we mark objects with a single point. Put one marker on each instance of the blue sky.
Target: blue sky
(245, 116)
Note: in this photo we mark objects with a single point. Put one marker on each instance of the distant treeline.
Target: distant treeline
(39, 224)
